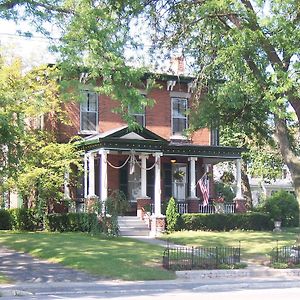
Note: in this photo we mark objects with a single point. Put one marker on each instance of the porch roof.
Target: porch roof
(148, 142)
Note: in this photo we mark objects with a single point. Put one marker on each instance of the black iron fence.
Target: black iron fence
(287, 254)
(197, 258)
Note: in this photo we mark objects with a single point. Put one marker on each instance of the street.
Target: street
(210, 290)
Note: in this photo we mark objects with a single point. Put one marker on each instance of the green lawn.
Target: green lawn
(122, 258)
(253, 243)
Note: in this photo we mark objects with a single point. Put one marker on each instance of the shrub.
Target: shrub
(117, 203)
(172, 215)
(5, 220)
(220, 222)
(84, 222)
(225, 191)
(24, 219)
(282, 206)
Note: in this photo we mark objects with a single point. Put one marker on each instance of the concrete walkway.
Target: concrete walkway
(21, 267)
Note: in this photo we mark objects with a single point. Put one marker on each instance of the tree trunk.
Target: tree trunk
(290, 159)
(246, 185)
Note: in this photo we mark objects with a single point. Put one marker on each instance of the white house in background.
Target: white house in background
(260, 188)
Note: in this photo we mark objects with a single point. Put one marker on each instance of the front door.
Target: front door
(134, 182)
(179, 181)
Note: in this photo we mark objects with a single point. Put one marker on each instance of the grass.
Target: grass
(253, 243)
(108, 257)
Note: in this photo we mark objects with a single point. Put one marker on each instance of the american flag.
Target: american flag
(204, 187)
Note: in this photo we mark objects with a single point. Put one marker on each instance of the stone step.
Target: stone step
(134, 233)
(132, 226)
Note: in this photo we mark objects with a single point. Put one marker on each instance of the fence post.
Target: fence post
(239, 251)
(277, 252)
(217, 257)
(192, 258)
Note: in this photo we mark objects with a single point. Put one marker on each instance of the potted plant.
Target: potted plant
(219, 204)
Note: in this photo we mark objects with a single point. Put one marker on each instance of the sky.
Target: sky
(32, 50)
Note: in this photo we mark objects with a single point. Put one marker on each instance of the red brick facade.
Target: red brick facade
(158, 117)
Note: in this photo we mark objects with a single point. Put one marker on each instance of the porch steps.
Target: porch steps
(132, 226)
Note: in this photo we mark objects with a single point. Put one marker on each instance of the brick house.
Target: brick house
(146, 163)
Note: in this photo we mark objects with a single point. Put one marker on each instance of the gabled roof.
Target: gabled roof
(124, 134)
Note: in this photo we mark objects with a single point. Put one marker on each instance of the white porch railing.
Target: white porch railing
(229, 208)
(207, 209)
(182, 208)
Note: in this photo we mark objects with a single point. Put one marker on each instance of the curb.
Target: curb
(14, 293)
(250, 272)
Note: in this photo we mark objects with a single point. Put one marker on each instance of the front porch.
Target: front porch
(150, 170)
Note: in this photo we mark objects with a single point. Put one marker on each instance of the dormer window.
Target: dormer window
(179, 117)
(89, 112)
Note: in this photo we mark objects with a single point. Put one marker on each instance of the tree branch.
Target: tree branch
(11, 4)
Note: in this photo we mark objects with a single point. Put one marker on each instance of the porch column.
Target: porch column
(143, 158)
(103, 176)
(239, 194)
(240, 201)
(66, 185)
(157, 220)
(192, 161)
(157, 186)
(91, 190)
(85, 175)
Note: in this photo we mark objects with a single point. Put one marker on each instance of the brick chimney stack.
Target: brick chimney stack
(177, 65)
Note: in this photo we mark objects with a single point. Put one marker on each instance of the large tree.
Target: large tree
(32, 162)
(245, 55)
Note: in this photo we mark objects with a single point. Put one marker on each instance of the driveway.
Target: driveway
(21, 267)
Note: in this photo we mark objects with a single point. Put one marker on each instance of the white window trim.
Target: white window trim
(84, 131)
(140, 114)
(178, 136)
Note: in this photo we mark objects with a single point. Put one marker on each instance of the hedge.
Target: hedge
(84, 222)
(28, 220)
(5, 220)
(19, 219)
(224, 222)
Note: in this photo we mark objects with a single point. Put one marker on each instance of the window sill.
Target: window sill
(179, 137)
(89, 132)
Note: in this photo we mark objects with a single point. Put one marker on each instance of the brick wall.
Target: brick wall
(158, 117)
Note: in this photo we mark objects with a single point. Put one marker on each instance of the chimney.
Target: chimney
(177, 65)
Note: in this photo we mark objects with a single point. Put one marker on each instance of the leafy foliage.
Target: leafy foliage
(31, 160)
(117, 203)
(282, 206)
(225, 222)
(70, 222)
(172, 215)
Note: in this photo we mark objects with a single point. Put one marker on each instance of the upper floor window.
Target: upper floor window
(139, 116)
(139, 113)
(179, 117)
(89, 112)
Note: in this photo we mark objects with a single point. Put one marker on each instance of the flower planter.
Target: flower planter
(277, 226)
(219, 208)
